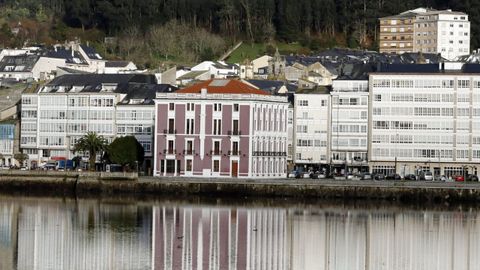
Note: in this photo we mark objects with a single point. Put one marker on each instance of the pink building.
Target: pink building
(221, 128)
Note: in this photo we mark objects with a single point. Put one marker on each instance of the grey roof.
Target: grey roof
(94, 82)
(20, 63)
(66, 54)
(72, 71)
(91, 52)
(408, 68)
(145, 92)
(141, 88)
(273, 86)
(315, 90)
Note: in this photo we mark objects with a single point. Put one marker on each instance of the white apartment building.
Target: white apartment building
(312, 128)
(425, 121)
(444, 31)
(57, 114)
(349, 132)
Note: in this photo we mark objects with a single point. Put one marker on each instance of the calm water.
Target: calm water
(89, 234)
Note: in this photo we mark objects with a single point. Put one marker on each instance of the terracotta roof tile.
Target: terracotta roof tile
(223, 87)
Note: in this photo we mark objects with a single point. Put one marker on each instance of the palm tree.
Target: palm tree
(91, 143)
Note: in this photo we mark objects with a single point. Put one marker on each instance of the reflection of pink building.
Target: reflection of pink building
(221, 128)
(219, 238)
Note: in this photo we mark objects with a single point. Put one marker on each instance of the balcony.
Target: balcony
(169, 131)
(234, 153)
(216, 152)
(169, 151)
(189, 152)
(234, 133)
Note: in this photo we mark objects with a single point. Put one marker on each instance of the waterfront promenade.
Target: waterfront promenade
(105, 184)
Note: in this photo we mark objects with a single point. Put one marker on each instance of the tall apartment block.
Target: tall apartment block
(445, 32)
(425, 120)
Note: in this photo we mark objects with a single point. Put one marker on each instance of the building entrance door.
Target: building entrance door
(234, 168)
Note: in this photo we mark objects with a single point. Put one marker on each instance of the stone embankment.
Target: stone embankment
(106, 184)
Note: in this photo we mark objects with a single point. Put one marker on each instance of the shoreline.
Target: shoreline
(99, 185)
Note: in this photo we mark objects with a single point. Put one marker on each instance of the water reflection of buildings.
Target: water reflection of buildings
(222, 238)
(219, 238)
(63, 236)
(8, 235)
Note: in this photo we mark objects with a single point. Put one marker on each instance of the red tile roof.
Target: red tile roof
(216, 86)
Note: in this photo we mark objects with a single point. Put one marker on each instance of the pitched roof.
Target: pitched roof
(66, 54)
(273, 86)
(91, 52)
(223, 87)
(18, 63)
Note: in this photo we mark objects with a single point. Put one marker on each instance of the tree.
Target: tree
(20, 157)
(126, 151)
(91, 143)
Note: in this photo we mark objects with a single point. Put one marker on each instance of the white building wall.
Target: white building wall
(53, 122)
(349, 132)
(424, 122)
(311, 128)
(444, 33)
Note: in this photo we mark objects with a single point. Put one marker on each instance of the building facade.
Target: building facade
(396, 32)
(445, 32)
(59, 113)
(7, 136)
(424, 122)
(221, 128)
(349, 132)
(311, 129)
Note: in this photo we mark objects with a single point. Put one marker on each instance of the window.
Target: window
(235, 149)
(302, 129)
(171, 106)
(235, 128)
(217, 127)
(190, 126)
(216, 147)
(216, 166)
(235, 107)
(190, 107)
(189, 150)
(170, 147)
(217, 107)
(303, 103)
(171, 126)
(378, 97)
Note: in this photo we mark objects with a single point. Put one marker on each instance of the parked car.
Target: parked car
(395, 176)
(440, 178)
(379, 176)
(459, 178)
(322, 176)
(472, 178)
(293, 174)
(410, 177)
(428, 176)
(349, 176)
(366, 176)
